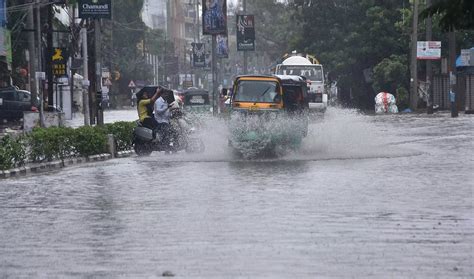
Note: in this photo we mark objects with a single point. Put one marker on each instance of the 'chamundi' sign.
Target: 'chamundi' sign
(95, 9)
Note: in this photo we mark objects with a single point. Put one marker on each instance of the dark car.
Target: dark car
(13, 102)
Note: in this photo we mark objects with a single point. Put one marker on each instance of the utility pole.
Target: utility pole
(49, 55)
(413, 64)
(214, 76)
(85, 81)
(429, 68)
(452, 71)
(40, 61)
(196, 40)
(244, 6)
(98, 73)
(31, 55)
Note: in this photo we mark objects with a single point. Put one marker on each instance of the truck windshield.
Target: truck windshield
(257, 91)
(311, 72)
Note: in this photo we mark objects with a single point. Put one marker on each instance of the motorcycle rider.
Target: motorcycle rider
(162, 117)
(145, 111)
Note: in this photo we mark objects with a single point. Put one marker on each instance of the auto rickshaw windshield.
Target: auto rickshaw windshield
(257, 91)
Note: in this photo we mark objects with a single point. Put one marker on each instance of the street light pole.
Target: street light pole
(98, 72)
(429, 70)
(413, 64)
(454, 99)
(244, 7)
(31, 55)
(40, 62)
(214, 76)
(85, 81)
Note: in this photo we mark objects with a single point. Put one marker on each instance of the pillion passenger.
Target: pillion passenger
(145, 108)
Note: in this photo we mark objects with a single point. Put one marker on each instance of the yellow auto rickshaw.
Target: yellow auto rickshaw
(268, 113)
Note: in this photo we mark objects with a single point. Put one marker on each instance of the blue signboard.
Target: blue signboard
(3, 13)
(214, 17)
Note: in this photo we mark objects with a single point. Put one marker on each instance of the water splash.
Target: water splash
(339, 134)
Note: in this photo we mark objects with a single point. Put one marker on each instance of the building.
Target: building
(180, 19)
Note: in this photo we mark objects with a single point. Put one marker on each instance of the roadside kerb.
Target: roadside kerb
(53, 165)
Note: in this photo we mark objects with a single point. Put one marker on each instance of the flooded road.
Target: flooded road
(367, 196)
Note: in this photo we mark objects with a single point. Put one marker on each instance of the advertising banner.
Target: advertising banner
(214, 17)
(428, 50)
(95, 9)
(222, 50)
(245, 33)
(59, 60)
(3, 21)
(199, 55)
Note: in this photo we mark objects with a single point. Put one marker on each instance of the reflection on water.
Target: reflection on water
(365, 197)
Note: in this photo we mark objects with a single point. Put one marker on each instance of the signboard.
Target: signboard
(428, 50)
(187, 83)
(467, 57)
(95, 9)
(222, 45)
(59, 62)
(3, 21)
(107, 82)
(245, 33)
(214, 17)
(199, 55)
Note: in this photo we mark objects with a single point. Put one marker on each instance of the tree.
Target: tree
(455, 14)
(353, 37)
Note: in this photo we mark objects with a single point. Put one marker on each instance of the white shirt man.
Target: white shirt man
(162, 112)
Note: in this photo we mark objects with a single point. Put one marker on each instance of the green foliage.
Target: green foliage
(89, 141)
(122, 132)
(349, 37)
(277, 27)
(51, 143)
(12, 152)
(58, 143)
(455, 14)
(402, 98)
(389, 73)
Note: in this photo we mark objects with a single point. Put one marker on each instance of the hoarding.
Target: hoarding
(467, 58)
(222, 45)
(214, 17)
(59, 62)
(199, 55)
(245, 33)
(428, 50)
(95, 9)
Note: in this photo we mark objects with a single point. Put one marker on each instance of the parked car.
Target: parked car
(13, 102)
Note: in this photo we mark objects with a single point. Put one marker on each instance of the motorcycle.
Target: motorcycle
(181, 136)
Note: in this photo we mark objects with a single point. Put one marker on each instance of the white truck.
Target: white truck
(313, 72)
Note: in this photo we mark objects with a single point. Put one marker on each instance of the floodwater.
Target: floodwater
(366, 196)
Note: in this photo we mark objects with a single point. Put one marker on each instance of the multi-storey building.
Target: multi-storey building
(179, 18)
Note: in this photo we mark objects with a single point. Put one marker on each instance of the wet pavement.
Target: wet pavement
(110, 116)
(367, 196)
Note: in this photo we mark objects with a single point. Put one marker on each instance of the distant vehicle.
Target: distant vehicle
(310, 68)
(196, 101)
(13, 102)
(385, 103)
